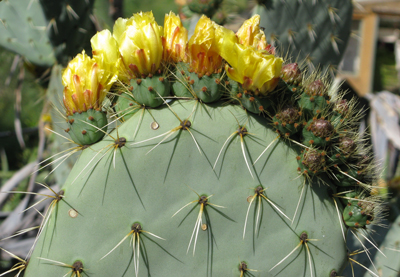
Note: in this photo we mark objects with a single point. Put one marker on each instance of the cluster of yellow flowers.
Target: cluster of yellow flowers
(138, 47)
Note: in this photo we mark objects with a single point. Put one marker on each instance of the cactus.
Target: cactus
(230, 180)
(71, 26)
(23, 30)
(220, 11)
(315, 32)
(46, 31)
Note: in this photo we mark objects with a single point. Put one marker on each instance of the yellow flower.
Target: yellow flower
(85, 84)
(174, 39)
(203, 48)
(250, 33)
(140, 45)
(105, 53)
(256, 70)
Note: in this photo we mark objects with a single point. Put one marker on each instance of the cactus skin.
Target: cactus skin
(149, 91)
(207, 7)
(313, 31)
(205, 88)
(23, 30)
(46, 31)
(109, 200)
(74, 27)
(84, 127)
(126, 106)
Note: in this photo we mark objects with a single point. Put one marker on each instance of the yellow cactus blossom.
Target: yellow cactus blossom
(250, 33)
(203, 47)
(105, 52)
(86, 84)
(140, 45)
(175, 39)
(256, 70)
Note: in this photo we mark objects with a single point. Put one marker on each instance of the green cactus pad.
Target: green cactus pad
(152, 183)
(149, 91)
(349, 192)
(81, 130)
(352, 176)
(247, 99)
(312, 162)
(207, 7)
(312, 105)
(220, 17)
(23, 30)
(206, 88)
(126, 106)
(358, 214)
(72, 26)
(318, 132)
(343, 150)
(313, 31)
(287, 122)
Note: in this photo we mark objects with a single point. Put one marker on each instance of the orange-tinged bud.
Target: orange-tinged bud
(85, 84)
(140, 45)
(175, 39)
(204, 57)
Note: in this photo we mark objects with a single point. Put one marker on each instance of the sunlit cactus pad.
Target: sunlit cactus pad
(149, 188)
(219, 158)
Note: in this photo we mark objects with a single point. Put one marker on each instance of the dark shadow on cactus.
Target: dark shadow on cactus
(246, 273)
(256, 228)
(250, 161)
(303, 195)
(394, 270)
(129, 264)
(313, 201)
(91, 172)
(191, 210)
(221, 213)
(269, 156)
(203, 152)
(211, 240)
(172, 154)
(312, 259)
(202, 105)
(223, 158)
(255, 139)
(258, 218)
(305, 260)
(310, 243)
(191, 128)
(130, 177)
(105, 181)
(46, 222)
(145, 257)
(165, 250)
(54, 228)
(298, 254)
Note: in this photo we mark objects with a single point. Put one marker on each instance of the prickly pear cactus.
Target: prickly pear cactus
(315, 32)
(220, 11)
(238, 178)
(46, 31)
(71, 26)
(23, 30)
